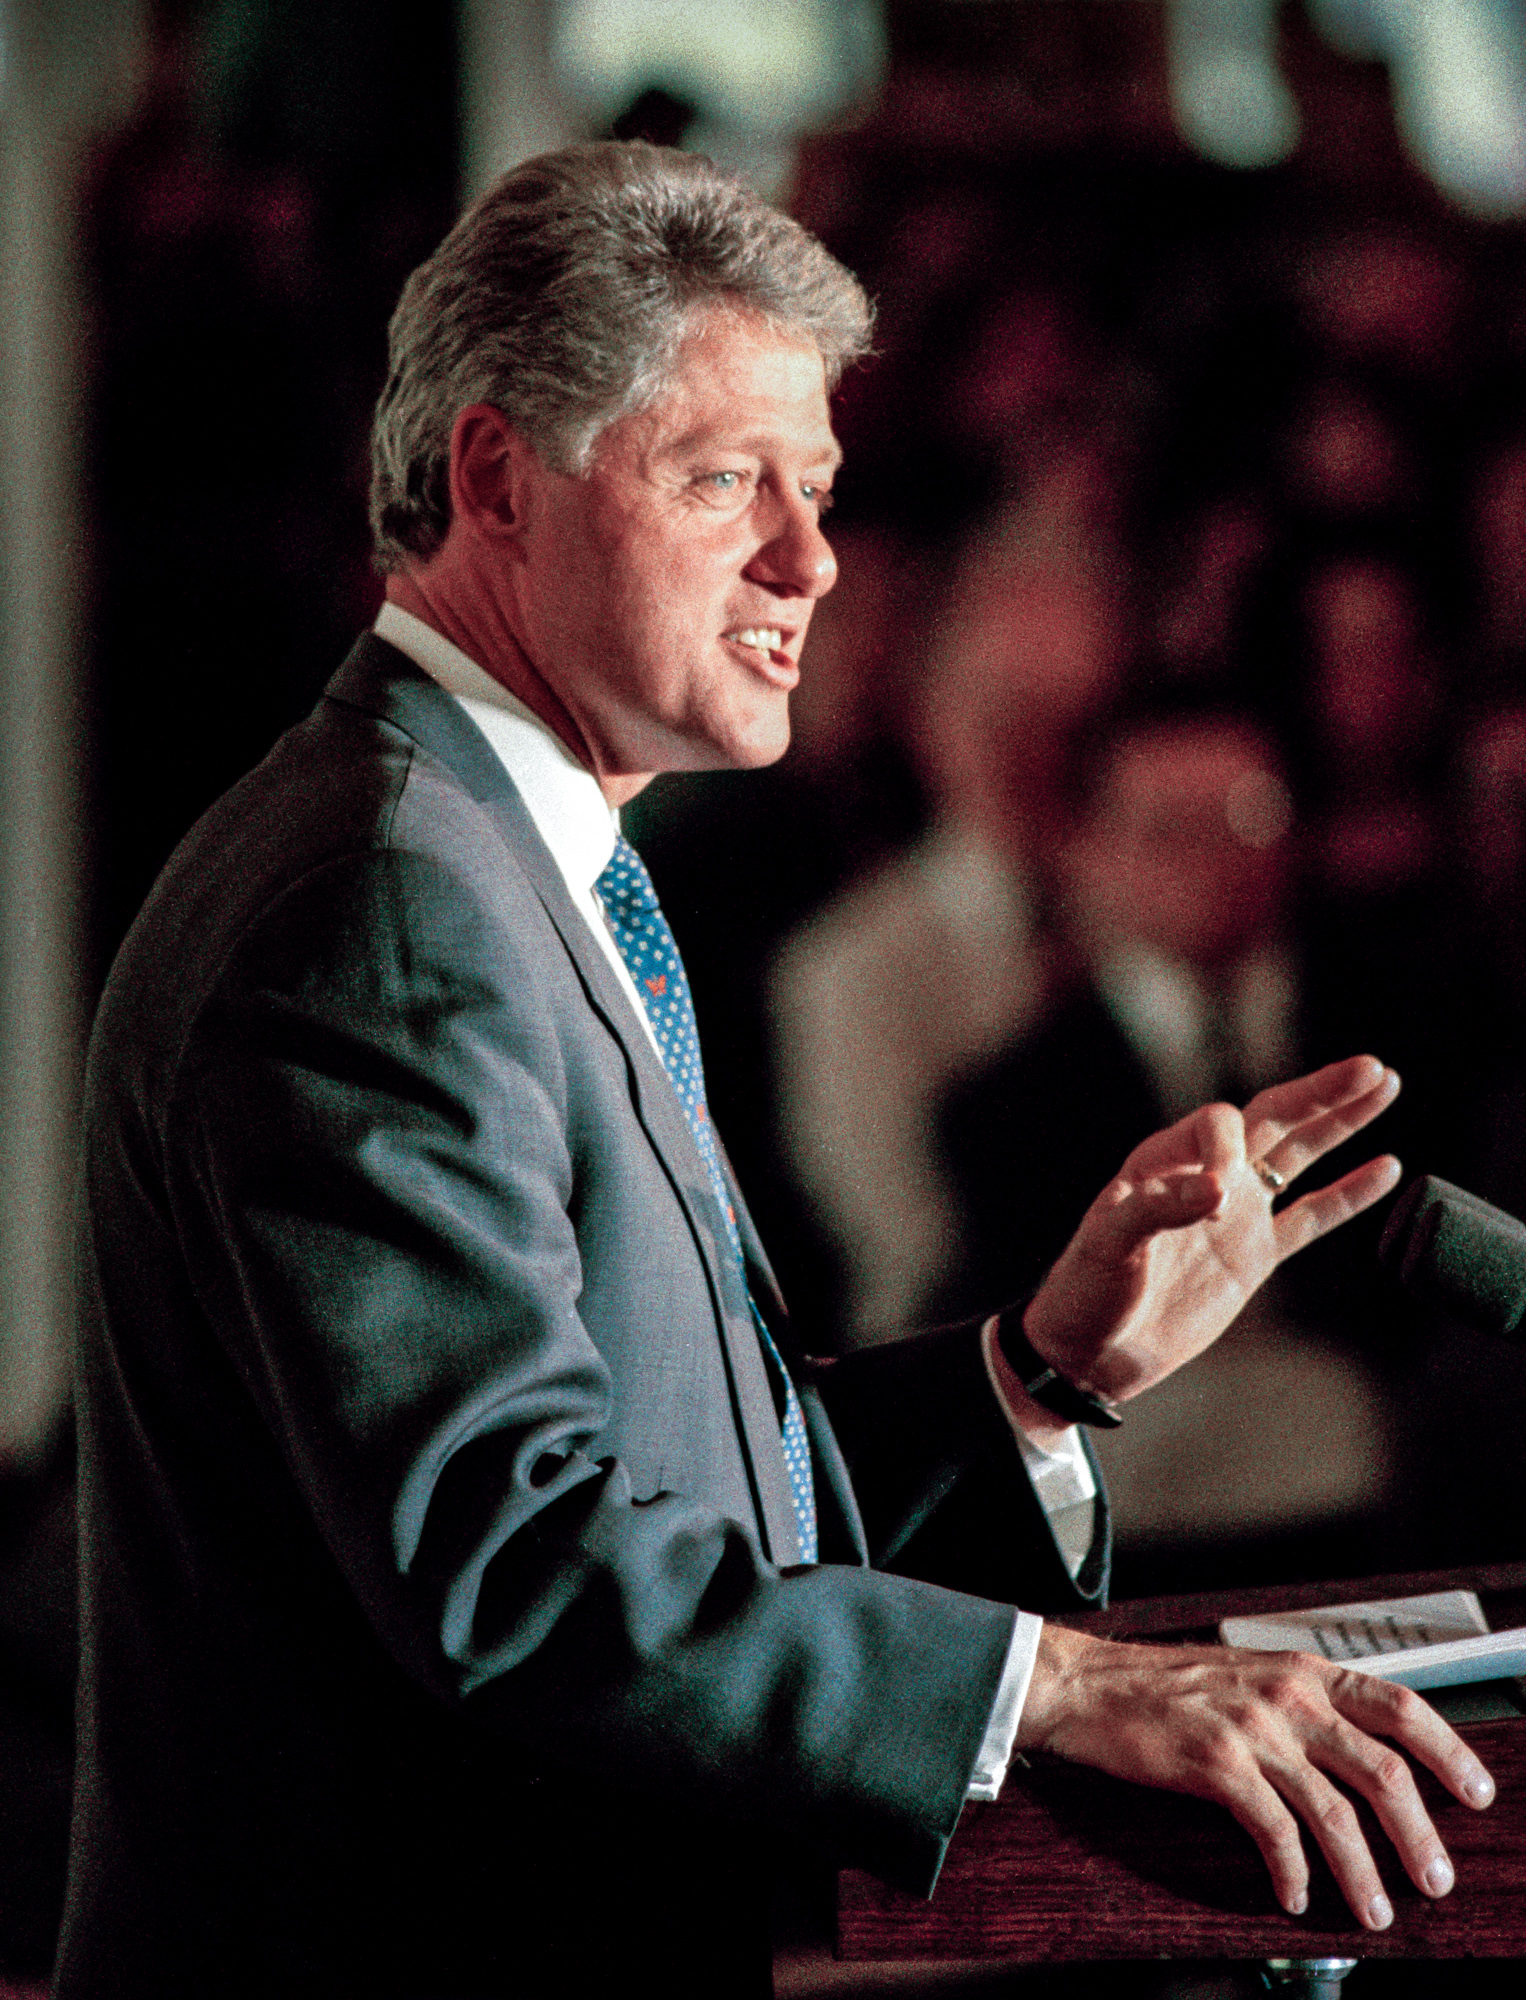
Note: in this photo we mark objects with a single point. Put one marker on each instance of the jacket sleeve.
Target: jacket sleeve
(940, 1484)
(366, 1155)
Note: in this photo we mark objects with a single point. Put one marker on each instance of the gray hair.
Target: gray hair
(562, 297)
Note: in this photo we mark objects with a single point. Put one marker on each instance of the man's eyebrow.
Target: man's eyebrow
(757, 446)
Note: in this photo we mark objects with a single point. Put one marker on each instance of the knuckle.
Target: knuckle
(1407, 1708)
(1337, 1817)
(1218, 1756)
(1390, 1773)
(1287, 1687)
(1218, 1747)
(1396, 1711)
(1294, 1690)
(1374, 1692)
(1117, 1191)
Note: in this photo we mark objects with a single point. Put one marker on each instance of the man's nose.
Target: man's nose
(797, 559)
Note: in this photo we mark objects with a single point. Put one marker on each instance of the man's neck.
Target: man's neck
(492, 646)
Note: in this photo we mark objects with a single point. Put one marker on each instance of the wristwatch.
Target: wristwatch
(1044, 1382)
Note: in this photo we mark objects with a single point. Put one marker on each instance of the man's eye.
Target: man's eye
(821, 496)
(726, 482)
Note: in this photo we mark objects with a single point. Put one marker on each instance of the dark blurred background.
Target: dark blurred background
(1166, 733)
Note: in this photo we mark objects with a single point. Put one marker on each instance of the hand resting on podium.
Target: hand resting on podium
(1162, 1263)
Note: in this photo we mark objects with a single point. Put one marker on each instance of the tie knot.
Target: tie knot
(625, 886)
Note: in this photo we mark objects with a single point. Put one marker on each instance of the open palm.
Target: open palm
(1177, 1242)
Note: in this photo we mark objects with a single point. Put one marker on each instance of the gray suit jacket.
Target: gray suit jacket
(440, 1631)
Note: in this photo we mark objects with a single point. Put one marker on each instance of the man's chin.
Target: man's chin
(757, 742)
(756, 753)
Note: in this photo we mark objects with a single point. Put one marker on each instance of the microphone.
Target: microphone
(1460, 1255)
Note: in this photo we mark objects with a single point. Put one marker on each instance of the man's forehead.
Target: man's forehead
(739, 382)
(737, 430)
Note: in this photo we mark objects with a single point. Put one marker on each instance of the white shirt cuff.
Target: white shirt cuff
(1061, 1474)
(990, 1771)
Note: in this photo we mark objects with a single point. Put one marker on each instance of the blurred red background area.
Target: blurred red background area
(1165, 733)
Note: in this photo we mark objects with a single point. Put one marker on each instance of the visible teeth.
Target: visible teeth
(767, 638)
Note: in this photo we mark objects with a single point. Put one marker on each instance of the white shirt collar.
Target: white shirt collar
(561, 795)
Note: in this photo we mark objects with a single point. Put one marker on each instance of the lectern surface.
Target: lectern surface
(1070, 1865)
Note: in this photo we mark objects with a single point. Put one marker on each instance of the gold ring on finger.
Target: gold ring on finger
(1268, 1176)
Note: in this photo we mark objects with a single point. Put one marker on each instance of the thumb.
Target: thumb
(1174, 1202)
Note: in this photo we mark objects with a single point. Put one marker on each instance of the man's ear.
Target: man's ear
(487, 472)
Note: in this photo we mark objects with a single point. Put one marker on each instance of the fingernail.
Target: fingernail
(1439, 1876)
(1298, 1902)
(1479, 1789)
(1380, 1913)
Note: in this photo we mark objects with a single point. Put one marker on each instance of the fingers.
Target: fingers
(1326, 1208)
(1260, 1810)
(1212, 1136)
(1297, 1123)
(1303, 1097)
(1127, 1216)
(1331, 1818)
(1291, 1746)
(1291, 1125)
(1383, 1778)
(1348, 1747)
(1272, 1737)
(1377, 1771)
(1384, 1709)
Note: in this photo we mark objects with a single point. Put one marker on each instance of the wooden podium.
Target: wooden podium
(1071, 1866)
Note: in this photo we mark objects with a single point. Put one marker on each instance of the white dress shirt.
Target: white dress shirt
(572, 817)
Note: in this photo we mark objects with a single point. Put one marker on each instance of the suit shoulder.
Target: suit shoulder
(350, 858)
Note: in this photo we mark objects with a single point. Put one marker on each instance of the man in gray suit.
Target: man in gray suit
(480, 1591)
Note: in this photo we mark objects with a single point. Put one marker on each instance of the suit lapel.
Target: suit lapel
(383, 682)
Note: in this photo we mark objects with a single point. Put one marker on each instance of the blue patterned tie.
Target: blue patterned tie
(651, 954)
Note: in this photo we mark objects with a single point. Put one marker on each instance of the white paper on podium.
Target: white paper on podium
(1441, 1640)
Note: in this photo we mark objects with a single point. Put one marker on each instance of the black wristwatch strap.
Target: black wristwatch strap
(1044, 1382)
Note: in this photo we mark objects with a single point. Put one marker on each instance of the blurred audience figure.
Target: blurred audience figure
(1492, 793)
(1373, 695)
(1395, 954)
(1345, 456)
(1497, 505)
(933, 961)
(1184, 983)
(1208, 559)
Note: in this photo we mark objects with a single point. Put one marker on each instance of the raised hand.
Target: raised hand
(1176, 1243)
(1264, 1735)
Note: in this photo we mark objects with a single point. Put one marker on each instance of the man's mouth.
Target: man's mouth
(766, 638)
(768, 651)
